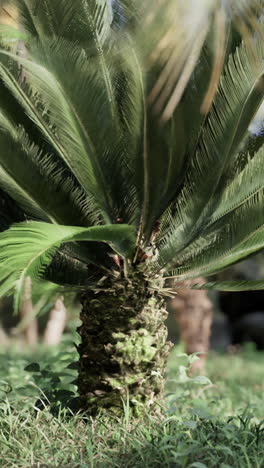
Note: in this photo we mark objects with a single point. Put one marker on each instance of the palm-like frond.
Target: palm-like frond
(27, 249)
(81, 19)
(235, 286)
(59, 110)
(177, 32)
(239, 96)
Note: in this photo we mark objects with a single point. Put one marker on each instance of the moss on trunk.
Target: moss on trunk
(124, 349)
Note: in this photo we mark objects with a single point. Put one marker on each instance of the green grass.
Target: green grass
(208, 423)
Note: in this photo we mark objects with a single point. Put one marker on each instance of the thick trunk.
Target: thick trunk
(123, 350)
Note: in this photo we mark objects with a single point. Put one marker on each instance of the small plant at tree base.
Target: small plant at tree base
(104, 195)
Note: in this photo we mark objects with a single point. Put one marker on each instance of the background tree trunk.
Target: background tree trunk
(4, 340)
(56, 324)
(123, 350)
(194, 313)
(29, 321)
(8, 13)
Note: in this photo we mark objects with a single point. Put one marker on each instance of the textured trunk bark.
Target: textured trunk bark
(194, 314)
(123, 350)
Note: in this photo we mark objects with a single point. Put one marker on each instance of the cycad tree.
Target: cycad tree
(110, 193)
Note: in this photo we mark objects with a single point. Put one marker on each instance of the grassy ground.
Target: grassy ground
(208, 423)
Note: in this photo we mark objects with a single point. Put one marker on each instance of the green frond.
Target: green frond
(225, 247)
(176, 141)
(80, 19)
(70, 117)
(26, 172)
(68, 143)
(248, 149)
(234, 286)
(235, 231)
(172, 34)
(188, 132)
(239, 96)
(27, 249)
(246, 185)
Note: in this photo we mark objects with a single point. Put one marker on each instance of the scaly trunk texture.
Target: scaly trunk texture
(124, 348)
